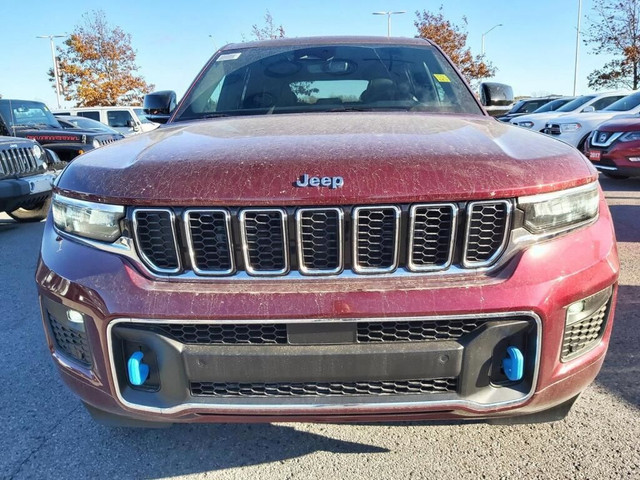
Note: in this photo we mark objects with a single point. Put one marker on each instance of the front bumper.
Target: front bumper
(23, 192)
(534, 287)
(615, 159)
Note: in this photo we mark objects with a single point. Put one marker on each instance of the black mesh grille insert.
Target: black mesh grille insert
(582, 335)
(209, 236)
(415, 331)
(314, 389)
(156, 239)
(320, 239)
(487, 231)
(432, 235)
(200, 333)
(70, 341)
(376, 242)
(265, 240)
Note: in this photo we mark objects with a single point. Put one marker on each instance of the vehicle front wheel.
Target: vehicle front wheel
(617, 176)
(34, 213)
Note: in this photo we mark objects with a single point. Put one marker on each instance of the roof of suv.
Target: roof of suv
(337, 40)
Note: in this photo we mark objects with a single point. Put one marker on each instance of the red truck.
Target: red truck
(328, 229)
(614, 148)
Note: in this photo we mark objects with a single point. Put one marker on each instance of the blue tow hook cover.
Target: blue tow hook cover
(138, 371)
(513, 365)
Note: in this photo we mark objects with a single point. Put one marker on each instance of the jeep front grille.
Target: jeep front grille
(17, 161)
(315, 389)
(321, 241)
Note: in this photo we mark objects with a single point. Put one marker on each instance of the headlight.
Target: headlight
(37, 151)
(87, 219)
(95, 143)
(564, 210)
(630, 137)
(570, 127)
(525, 124)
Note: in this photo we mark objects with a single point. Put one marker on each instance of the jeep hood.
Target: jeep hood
(382, 157)
(47, 136)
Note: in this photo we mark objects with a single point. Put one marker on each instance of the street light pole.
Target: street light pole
(485, 34)
(388, 14)
(55, 64)
(575, 69)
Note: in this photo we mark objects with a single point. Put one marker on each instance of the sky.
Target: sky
(533, 50)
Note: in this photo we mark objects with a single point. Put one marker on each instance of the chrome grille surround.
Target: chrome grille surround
(300, 241)
(414, 214)
(245, 216)
(419, 239)
(503, 238)
(173, 247)
(195, 261)
(356, 235)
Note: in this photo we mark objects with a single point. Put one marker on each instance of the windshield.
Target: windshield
(552, 106)
(576, 103)
(88, 124)
(626, 103)
(273, 80)
(140, 113)
(20, 113)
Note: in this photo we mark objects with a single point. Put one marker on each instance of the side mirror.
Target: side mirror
(588, 109)
(495, 94)
(158, 105)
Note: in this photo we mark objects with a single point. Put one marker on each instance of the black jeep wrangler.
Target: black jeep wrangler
(26, 173)
(33, 120)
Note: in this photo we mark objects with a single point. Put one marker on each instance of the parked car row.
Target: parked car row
(35, 145)
(604, 126)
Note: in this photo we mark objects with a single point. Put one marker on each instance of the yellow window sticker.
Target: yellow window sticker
(442, 78)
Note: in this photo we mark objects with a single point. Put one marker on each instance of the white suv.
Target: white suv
(586, 103)
(126, 120)
(575, 129)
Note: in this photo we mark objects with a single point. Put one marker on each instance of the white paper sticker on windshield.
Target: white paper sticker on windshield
(228, 56)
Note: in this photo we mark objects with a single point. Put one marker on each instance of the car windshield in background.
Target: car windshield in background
(140, 113)
(627, 103)
(576, 103)
(298, 79)
(27, 114)
(552, 105)
(87, 124)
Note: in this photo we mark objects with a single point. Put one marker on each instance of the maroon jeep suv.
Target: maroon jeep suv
(328, 229)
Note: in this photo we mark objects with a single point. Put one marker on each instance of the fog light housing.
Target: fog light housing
(67, 329)
(585, 324)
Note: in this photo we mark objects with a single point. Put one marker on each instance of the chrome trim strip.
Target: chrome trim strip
(104, 207)
(355, 266)
(609, 141)
(172, 219)
(320, 407)
(507, 230)
(304, 270)
(192, 254)
(605, 168)
(544, 197)
(245, 248)
(412, 223)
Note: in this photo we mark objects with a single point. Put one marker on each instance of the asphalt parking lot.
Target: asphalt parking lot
(46, 433)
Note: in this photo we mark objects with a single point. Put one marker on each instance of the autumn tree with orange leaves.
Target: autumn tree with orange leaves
(97, 65)
(452, 39)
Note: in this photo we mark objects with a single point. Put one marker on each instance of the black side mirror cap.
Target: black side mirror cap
(495, 94)
(158, 106)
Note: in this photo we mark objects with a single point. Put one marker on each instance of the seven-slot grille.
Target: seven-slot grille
(17, 161)
(322, 240)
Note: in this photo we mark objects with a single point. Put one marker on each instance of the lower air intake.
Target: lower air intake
(313, 389)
